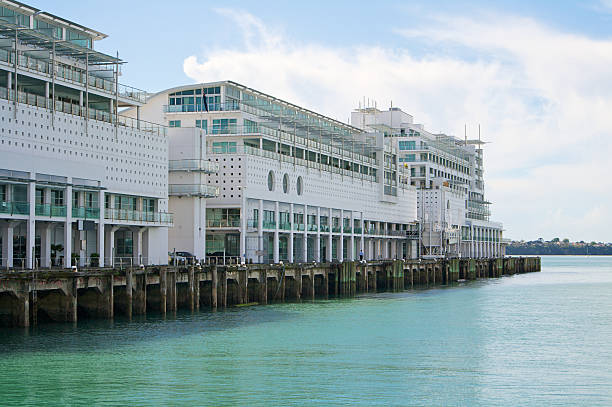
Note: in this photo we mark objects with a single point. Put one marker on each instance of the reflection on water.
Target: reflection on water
(534, 339)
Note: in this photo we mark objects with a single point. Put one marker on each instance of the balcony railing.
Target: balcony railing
(204, 191)
(324, 228)
(212, 107)
(285, 226)
(138, 216)
(336, 229)
(86, 213)
(81, 111)
(298, 227)
(50, 210)
(223, 223)
(73, 74)
(193, 165)
(14, 208)
(347, 229)
(269, 225)
(312, 228)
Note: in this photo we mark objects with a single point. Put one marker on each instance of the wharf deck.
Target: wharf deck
(31, 297)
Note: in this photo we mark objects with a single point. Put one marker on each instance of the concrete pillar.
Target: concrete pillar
(45, 244)
(351, 254)
(263, 287)
(110, 244)
(214, 287)
(81, 98)
(291, 236)
(140, 293)
(298, 280)
(20, 313)
(276, 226)
(47, 90)
(162, 291)
(260, 245)
(109, 297)
(101, 250)
(129, 284)
(312, 285)
(68, 226)
(224, 289)
(9, 81)
(31, 225)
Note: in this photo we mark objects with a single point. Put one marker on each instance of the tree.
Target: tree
(555, 240)
(566, 240)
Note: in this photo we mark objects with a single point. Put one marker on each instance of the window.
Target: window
(286, 183)
(407, 145)
(48, 29)
(3, 193)
(408, 158)
(175, 123)
(271, 181)
(40, 196)
(250, 126)
(202, 124)
(224, 126)
(57, 197)
(223, 147)
(300, 186)
(75, 199)
(148, 205)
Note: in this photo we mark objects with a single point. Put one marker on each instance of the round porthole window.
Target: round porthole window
(300, 186)
(286, 183)
(271, 181)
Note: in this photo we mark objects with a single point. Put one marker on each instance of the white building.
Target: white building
(294, 185)
(453, 213)
(76, 178)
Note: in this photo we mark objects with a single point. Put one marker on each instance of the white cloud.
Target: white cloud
(543, 98)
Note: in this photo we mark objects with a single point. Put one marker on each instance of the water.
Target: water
(528, 340)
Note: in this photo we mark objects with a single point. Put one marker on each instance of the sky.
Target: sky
(536, 76)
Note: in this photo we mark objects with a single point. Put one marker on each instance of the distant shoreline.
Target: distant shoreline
(513, 250)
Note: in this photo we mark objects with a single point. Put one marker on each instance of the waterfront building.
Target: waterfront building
(454, 216)
(79, 182)
(293, 185)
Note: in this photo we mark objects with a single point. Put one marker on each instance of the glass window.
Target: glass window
(407, 145)
(202, 124)
(57, 197)
(3, 192)
(40, 196)
(175, 123)
(286, 183)
(300, 186)
(271, 181)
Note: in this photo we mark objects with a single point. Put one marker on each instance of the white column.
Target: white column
(101, 223)
(260, 245)
(137, 246)
(47, 90)
(243, 226)
(9, 81)
(45, 244)
(31, 225)
(362, 240)
(341, 239)
(330, 236)
(68, 226)
(290, 243)
(318, 236)
(352, 243)
(276, 226)
(7, 244)
(305, 246)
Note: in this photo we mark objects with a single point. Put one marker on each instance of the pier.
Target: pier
(28, 298)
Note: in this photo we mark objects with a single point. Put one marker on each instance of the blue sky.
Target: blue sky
(535, 75)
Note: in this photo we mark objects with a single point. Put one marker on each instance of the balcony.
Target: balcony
(198, 190)
(312, 228)
(223, 223)
(50, 210)
(14, 208)
(336, 229)
(212, 107)
(126, 215)
(324, 228)
(357, 231)
(347, 229)
(298, 226)
(269, 224)
(204, 166)
(85, 213)
(285, 226)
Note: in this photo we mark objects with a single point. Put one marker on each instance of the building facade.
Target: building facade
(454, 216)
(293, 185)
(80, 184)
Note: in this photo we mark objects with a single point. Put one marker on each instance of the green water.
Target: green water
(540, 339)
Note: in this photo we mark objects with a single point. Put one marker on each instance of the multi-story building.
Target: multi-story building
(79, 183)
(448, 172)
(293, 184)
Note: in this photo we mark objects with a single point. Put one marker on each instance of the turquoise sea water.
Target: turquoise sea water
(539, 339)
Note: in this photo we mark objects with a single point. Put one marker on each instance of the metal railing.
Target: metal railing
(72, 74)
(50, 210)
(85, 212)
(193, 165)
(138, 216)
(14, 208)
(223, 223)
(206, 191)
